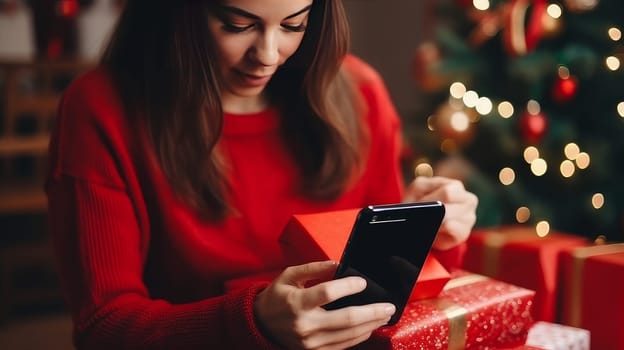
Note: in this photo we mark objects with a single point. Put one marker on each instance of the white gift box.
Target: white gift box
(552, 336)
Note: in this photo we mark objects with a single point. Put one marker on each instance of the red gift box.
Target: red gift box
(472, 312)
(323, 236)
(517, 255)
(592, 293)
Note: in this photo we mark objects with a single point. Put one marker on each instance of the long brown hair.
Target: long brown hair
(160, 58)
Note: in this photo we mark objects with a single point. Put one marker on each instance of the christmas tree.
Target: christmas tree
(525, 103)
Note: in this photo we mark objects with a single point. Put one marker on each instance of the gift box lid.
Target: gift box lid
(323, 236)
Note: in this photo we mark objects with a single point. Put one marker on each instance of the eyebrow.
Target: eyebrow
(241, 12)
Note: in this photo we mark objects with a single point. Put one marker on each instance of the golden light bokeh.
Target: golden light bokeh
(506, 109)
(583, 160)
(470, 98)
(620, 109)
(554, 11)
(542, 228)
(459, 121)
(481, 4)
(539, 167)
(484, 106)
(613, 63)
(457, 90)
(571, 150)
(523, 214)
(598, 200)
(567, 168)
(615, 33)
(531, 153)
(507, 176)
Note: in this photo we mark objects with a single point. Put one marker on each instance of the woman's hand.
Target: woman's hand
(292, 315)
(461, 207)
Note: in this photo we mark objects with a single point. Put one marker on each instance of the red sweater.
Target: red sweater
(139, 269)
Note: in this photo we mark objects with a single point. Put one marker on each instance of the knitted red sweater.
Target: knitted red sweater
(140, 270)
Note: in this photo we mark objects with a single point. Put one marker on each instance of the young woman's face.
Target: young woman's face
(253, 38)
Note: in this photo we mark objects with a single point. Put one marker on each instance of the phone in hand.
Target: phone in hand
(388, 246)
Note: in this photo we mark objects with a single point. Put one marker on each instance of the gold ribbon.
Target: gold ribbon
(456, 314)
(576, 276)
(495, 240)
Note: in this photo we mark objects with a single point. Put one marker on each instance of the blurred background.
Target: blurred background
(522, 100)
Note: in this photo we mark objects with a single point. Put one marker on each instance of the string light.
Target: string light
(481, 4)
(506, 109)
(539, 167)
(598, 200)
(583, 160)
(470, 98)
(507, 176)
(484, 106)
(542, 228)
(620, 109)
(459, 121)
(554, 11)
(457, 90)
(571, 151)
(523, 214)
(615, 34)
(567, 168)
(531, 153)
(613, 63)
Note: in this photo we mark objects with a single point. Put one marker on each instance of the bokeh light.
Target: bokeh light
(507, 176)
(539, 167)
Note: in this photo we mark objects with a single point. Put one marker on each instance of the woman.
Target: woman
(177, 162)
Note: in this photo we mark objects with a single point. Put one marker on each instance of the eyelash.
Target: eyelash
(237, 29)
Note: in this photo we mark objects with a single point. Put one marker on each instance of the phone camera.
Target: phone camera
(374, 218)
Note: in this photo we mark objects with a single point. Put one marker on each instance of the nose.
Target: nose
(265, 50)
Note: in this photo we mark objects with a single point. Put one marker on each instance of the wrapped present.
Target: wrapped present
(323, 236)
(517, 255)
(552, 336)
(472, 312)
(592, 280)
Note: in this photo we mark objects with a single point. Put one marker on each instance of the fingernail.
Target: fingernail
(390, 309)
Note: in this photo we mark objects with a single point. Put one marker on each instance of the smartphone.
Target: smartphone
(388, 246)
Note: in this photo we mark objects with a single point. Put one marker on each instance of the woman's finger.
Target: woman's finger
(329, 291)
(299, 274)
(345, 337)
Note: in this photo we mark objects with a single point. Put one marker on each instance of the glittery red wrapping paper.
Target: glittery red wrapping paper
(516, 254)
(497, 315)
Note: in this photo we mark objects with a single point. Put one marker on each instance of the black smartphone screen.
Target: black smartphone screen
(388, 246)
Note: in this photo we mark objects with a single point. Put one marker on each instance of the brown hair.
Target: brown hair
(161, 61)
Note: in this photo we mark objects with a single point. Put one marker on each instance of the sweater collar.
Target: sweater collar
(251, 123)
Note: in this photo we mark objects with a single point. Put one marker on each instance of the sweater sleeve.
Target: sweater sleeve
(101, 246)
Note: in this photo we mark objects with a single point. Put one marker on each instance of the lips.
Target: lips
(253, 79)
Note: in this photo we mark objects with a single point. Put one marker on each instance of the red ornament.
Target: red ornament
(533, 127)
(564, 89)
(524, 26)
